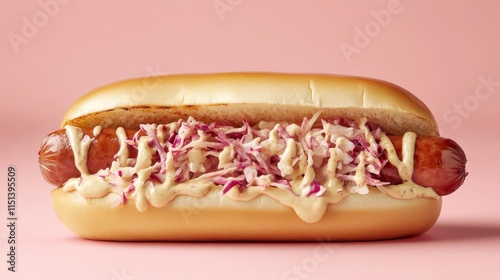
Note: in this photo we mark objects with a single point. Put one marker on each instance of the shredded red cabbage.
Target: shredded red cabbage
(254, 155)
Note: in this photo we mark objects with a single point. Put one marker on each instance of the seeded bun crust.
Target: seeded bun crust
(253, 96)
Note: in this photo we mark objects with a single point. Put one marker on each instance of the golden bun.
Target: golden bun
(374, 216)
(253, 96)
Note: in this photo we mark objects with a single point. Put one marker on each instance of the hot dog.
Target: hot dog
(439, 162)
(250, 156)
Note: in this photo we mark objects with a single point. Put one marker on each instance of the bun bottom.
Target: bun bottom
(357, 217)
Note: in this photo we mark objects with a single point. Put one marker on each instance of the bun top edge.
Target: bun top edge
(305, 93)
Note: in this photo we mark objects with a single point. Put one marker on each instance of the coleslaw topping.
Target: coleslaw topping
(305, 167)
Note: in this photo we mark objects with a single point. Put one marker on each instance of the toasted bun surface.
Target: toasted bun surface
(211, 218)
(255, 97)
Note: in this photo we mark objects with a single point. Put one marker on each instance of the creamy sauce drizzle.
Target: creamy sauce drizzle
(122, 154)
(408, 189)
(310, 208)
(84, 185)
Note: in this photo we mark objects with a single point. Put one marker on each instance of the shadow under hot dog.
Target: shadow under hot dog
(461, 232)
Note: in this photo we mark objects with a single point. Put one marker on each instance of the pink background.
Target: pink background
(443, 51)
